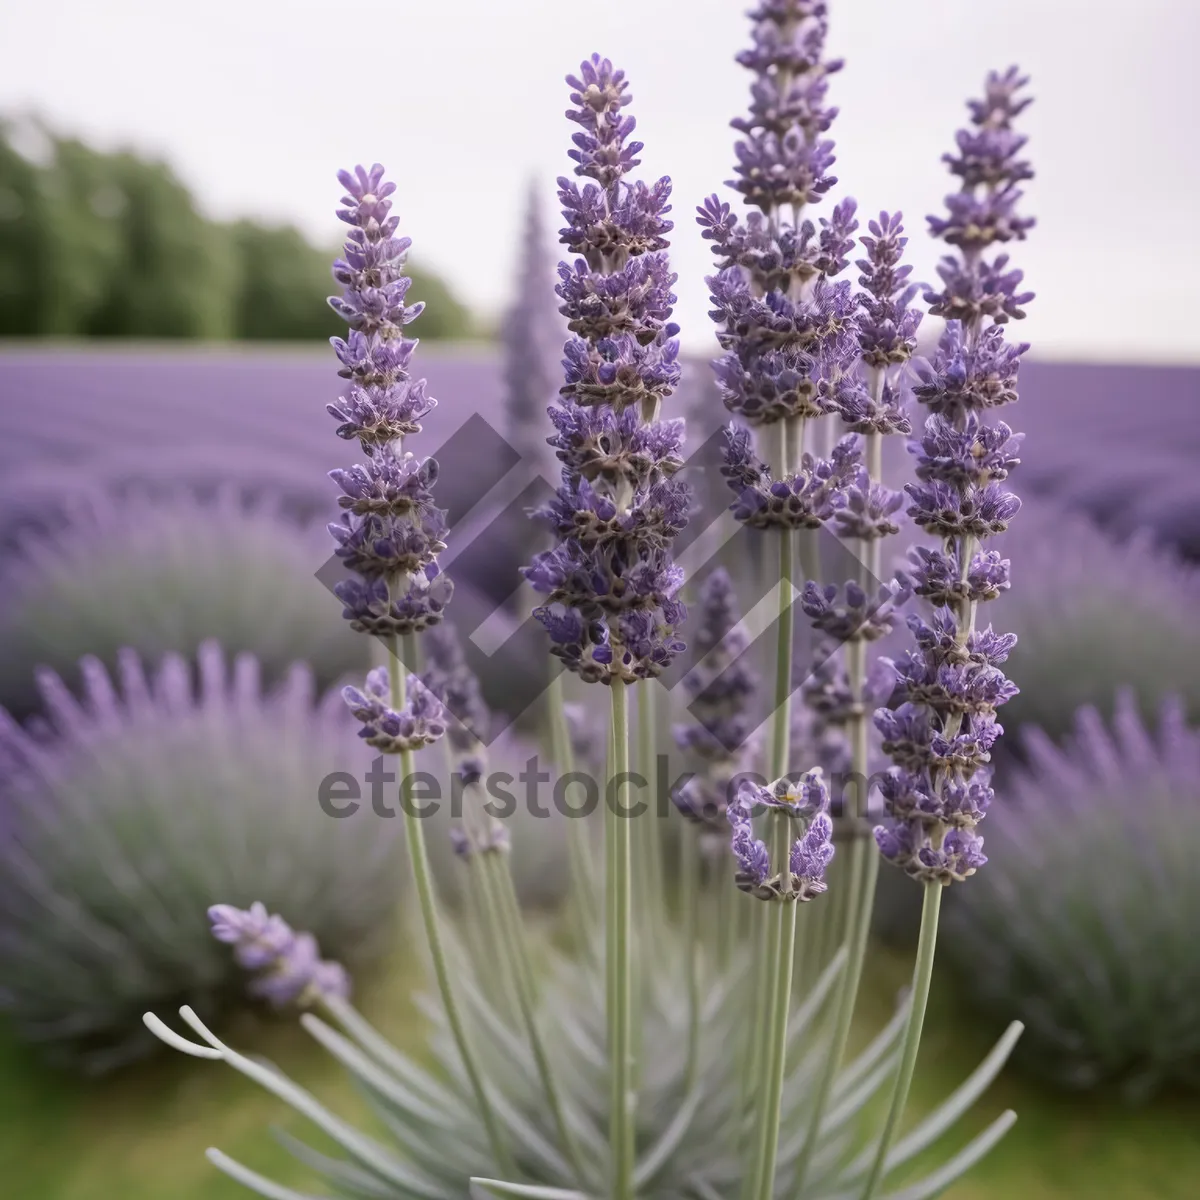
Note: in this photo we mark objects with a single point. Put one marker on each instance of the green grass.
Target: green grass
(142, 1135)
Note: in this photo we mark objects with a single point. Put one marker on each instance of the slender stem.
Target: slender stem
(688, 899)
(646, 855)
(769, 978)
(764, 1051)
(784, 913)
(618, 843)
(760, 915)
(650, 835)
(517, 948)
(581, 883)
(498, 960)
(781, 728)
(863, 867)
(419, 858)
(922, 974)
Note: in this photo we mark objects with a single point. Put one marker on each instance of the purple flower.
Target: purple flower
(869, 510)
(599, 444)
(374, 606)
(258, 937)
(810, 855)
(949, 686)
(786, 330)
(421, 721)
(456, 686)
(805, 499)
(723, 683)
(887, 332)
(972, 512)
(391, 531)
(964, 378)
(802, 876)
(609, 581)
(750, 853)
(848, 613)
(289, 965)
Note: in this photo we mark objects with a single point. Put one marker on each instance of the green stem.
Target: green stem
(781, 729)
(783, 913)
(581, 889)
(618, 842)
(419, 858)
(922, 975)
(517, 948)
(688, 872)
(650, 838)
(764, 1052)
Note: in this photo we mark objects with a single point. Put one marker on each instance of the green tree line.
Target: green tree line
(100, 244)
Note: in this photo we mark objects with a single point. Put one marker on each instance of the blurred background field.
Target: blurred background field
(164, 450)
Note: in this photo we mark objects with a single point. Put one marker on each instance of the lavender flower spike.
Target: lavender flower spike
(391, 531)
(951, 684)
(610, 583)
(290, 969)
(722, 687)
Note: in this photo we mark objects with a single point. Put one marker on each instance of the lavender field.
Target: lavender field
(71, 419)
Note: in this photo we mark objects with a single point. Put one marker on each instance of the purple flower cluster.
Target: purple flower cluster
(948, 688)
(455, 685)
(289, 965)
(610, 582)
(391, 531)
(787, 330)
(420, 722)
(721, 687)
(803, 875)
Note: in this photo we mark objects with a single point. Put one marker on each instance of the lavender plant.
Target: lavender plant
(665, 1058)
(532, 337)
(1085, 631)
(165, 574)
(130, 806)
(1100, 959)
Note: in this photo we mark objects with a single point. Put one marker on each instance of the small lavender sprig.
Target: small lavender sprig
(288, 966)
(786, 330)
(532, 338)
(611, 585)
(950, 685)
(391, 534)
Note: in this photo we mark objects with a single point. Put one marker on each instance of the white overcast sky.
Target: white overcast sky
(258, 102)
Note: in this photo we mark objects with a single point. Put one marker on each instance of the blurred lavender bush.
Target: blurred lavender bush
(1084, 925)
(124, 813)
(163, 575)
(1095, 614)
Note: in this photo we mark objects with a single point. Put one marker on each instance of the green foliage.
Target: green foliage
(690, 1112)
(1084, 922)
(129, 812)
(96, 244)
